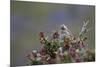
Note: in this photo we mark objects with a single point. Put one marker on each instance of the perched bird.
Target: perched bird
(64, 31)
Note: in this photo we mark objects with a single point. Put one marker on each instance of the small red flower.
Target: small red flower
(41, 34)
(56, 35)
(42, 37)
(66, 46)
(72, 52)
(42, 51)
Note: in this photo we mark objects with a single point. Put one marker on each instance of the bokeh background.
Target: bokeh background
(30, 18)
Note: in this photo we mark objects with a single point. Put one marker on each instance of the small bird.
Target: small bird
(64, 31)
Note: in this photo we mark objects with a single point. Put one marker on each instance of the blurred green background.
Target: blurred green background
(30, 18)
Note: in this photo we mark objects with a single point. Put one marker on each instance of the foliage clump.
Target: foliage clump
(62, 47)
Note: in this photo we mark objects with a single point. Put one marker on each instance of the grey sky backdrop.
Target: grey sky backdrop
(30, 18)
